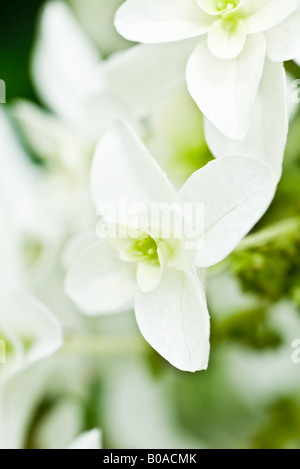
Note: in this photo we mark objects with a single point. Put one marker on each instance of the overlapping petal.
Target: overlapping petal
(35, 328)
(154, 21)
(268, 128)
(227, 42)
(225, 90)
(124, 170)
(144, 73)
(260, 15)
(61, 47)
(283, 41)
(236, 191)
(99, 282)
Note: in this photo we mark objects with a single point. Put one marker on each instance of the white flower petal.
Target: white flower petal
(260, 15)
(226, 42)
(297, 60)
(61, 424)
(34, 325)
(99, 282)
(225, 90)
(154, 21)
(102, 109)
(64, 61)
(11, 261)
(212, 6)
(266, 138)
(148, 276)
(174, 319)
(88, 440)
(16, 167)
(123, 169)
(144, 73)
(51, 138)
(283, 41)
(76, 245)
(236, 192)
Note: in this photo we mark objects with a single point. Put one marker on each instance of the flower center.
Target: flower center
(142, 249)
(149, 251)
(135, 245)
(226, 6)
(219, 7)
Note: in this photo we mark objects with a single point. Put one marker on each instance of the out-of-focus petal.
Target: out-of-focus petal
(154, 21)
(99, 282)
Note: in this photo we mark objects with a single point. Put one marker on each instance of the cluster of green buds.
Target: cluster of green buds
(268, 263)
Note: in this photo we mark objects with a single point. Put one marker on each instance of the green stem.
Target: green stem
(292, 68)
(93, 346)
(289, 226)
(286, 227)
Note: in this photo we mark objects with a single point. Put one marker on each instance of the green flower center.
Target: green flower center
(140, 247)
(226, 6)
(136, 246)
(219, 8)
(143, 249)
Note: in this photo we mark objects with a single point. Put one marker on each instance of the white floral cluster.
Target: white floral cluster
(228, 56)
(234, 52)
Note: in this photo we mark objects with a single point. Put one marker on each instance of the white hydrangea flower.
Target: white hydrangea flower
(160, 273)
(128, 85)
(225, 69)
(29, 335)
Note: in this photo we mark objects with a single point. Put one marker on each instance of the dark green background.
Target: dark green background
(17, 30)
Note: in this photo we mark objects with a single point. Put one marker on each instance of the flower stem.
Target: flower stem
(93, 346)
(286, 227)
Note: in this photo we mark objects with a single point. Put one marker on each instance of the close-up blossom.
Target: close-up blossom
(170, 306)
(236, 39)
(149, 227)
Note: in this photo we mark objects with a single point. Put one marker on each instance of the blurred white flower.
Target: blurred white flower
(90, 93)
(55, 142)
(161, 274)
(29, 330)
(39, 215)
(97, 19)
(30, 334)
(28, 232)
(87, 94)
(224, 71)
